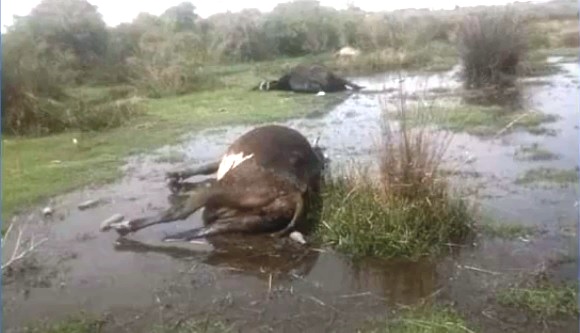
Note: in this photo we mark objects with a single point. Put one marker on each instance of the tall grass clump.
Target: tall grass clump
(406, 209)
(492, 46)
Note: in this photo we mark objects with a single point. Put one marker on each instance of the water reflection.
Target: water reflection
(258, 255)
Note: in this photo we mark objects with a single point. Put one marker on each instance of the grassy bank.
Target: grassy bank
(432, 319)
(37, 168)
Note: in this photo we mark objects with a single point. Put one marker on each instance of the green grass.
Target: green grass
(545, 301)
(98, 94)
(195, 326)
(72, 325)
(30, 176)
(548, 175)
(534, 153)
(481, 120)
(505, 230)
(537, 65)
(357, 219)
(424, 320)
(171, 156)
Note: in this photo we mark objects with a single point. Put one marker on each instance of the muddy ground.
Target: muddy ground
(268, 287)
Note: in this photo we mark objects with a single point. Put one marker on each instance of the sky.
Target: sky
(119, 11)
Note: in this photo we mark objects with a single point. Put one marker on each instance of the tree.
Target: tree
(69, 25)
(301, 27)
(240, 36)
(181, 17)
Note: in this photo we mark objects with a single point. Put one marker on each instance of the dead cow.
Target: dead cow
(263, 184)
(309, 79)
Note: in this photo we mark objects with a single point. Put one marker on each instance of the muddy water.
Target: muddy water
(260, 285)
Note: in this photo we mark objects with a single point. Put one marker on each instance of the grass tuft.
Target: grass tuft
(407, 210)
(535, 153)
(359, 219)
(545, 300)
(491, 47)
(423, 320)
(548, 175)
(80, 324)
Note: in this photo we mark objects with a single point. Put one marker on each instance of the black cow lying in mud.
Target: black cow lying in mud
(264, 183)
(309, 79)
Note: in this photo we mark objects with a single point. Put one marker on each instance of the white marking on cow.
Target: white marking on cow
(231, 161)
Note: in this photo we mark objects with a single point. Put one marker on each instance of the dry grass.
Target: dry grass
(492, 46)
(411, 156)
(21, 248)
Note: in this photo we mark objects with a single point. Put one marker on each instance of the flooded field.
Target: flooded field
(267, 287)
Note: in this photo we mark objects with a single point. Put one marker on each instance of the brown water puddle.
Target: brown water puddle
(260, 285)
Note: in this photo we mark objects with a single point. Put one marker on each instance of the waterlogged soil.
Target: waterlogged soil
(259, 285)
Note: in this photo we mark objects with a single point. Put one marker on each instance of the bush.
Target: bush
(31, 86)
(491, 47)
(241, 37)
(408, 210)
(570, 39)
(167, 63)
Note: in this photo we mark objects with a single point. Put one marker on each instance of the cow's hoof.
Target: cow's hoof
(121, 227)
(108, 223)
(297, 237)
(174, 176)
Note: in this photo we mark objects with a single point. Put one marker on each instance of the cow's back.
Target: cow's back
(272, 149)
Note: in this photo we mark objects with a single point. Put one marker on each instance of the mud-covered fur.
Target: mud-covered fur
(309, 79)
(269, 189)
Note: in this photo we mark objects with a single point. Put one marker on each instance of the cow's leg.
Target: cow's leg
(175, 177)
(249, 223)
(214, 196)
(186, 188)
(245, 223)
(179, 211)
